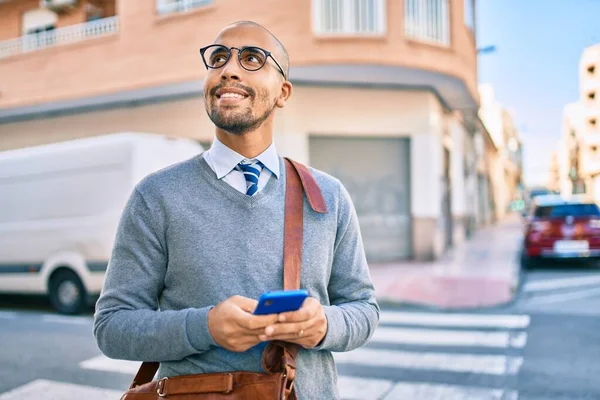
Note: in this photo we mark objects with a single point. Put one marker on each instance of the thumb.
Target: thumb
(245, 303)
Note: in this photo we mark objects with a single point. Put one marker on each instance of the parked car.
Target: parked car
(559, 228)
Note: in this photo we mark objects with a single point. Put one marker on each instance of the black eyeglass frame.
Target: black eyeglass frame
(240, 50)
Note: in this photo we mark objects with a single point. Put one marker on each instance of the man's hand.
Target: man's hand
(306, 327)
(234, 327)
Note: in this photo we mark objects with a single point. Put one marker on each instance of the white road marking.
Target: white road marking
(557, 298)
(424, 391)
(8, 314)
(436, 337)
(456, 320)
(103, 363)
(66, 320)
(561, 283)
(49, 390)
(354, 388)
(470, 363)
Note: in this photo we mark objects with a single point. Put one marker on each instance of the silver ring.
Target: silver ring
(301, 333)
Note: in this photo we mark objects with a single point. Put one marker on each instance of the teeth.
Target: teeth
(231, 96)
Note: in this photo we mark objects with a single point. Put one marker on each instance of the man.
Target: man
(200, 241)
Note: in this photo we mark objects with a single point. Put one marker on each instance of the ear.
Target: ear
(286, 93)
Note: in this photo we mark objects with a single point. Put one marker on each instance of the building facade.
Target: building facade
(385, 95)
(506, 164)
(579, 149)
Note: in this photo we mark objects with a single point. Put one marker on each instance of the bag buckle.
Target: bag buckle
(161, 387)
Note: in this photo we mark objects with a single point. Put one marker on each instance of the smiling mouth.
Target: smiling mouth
(231, 96)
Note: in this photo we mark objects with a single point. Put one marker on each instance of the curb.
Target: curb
(515, 286)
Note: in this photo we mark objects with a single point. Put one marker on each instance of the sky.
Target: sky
(535, 67)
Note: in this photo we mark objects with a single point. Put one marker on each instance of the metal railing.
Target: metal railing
(349, 17)
(427, 21)
(177, 6)
(61, 36)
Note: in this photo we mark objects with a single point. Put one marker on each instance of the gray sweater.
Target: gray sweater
(187, 241)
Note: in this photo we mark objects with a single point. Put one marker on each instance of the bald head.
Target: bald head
(278, 49)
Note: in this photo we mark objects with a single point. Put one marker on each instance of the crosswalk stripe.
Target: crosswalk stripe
(66, 320)
(103, 363)
(42, 389)
(416, 336)
(455, 320)
(352, 388)
(8, 314)
(470, 363)
(424, 329)
(426, 391)
(557, 298)
(561, 283)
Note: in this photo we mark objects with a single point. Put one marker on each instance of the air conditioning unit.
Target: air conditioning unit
(58, 5)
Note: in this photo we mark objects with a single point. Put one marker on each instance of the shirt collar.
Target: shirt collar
(225, 159)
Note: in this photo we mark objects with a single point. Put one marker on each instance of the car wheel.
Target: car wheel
(67, 294)
(527, 263)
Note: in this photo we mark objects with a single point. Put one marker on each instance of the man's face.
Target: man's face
(236, 100)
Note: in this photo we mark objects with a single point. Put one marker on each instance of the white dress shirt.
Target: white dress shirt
(223, 161)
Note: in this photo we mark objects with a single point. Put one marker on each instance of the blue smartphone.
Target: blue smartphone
(280, 301)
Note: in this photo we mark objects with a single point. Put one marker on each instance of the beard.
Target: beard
(239, 122)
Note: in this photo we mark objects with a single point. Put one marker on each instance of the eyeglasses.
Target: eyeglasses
(251, 58)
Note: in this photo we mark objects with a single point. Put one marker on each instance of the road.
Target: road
(543, 346)
(562, 358)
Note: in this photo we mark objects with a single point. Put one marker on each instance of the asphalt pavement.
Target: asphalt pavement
(544, 345)
(562, 358)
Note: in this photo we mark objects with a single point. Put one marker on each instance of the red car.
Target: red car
(561, 229)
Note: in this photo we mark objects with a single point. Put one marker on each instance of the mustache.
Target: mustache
(251, 92)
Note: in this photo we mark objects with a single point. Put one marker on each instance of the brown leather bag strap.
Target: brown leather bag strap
(309, 185)
(279, 355)
(145, 374)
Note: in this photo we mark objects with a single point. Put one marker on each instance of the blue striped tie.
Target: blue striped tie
(251, 170)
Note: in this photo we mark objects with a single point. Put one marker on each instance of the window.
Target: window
(427, 21)
(591, 69)
(564, 210)
(178, 6)
(591, 95)
(349, 17)
(593, 122)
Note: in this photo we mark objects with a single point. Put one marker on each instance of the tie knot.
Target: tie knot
(251, 170)
(250, 164)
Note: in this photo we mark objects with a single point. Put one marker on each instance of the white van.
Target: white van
(60, 206)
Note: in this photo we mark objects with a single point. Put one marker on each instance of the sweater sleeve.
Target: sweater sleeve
(354, 313)
(127, 322)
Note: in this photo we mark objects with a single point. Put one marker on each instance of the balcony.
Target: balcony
(591, 161)
(58, 37)
(164, 7)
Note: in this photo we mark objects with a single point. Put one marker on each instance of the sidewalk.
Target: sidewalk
(481, 272)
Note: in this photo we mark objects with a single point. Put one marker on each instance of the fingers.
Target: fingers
(283, 331)
(309, 309)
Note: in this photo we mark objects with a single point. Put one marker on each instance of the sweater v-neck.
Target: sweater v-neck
(233, 194)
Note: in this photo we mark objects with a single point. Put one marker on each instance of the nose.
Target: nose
(231, 70)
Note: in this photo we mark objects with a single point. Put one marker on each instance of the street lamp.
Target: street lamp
(486, 49)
